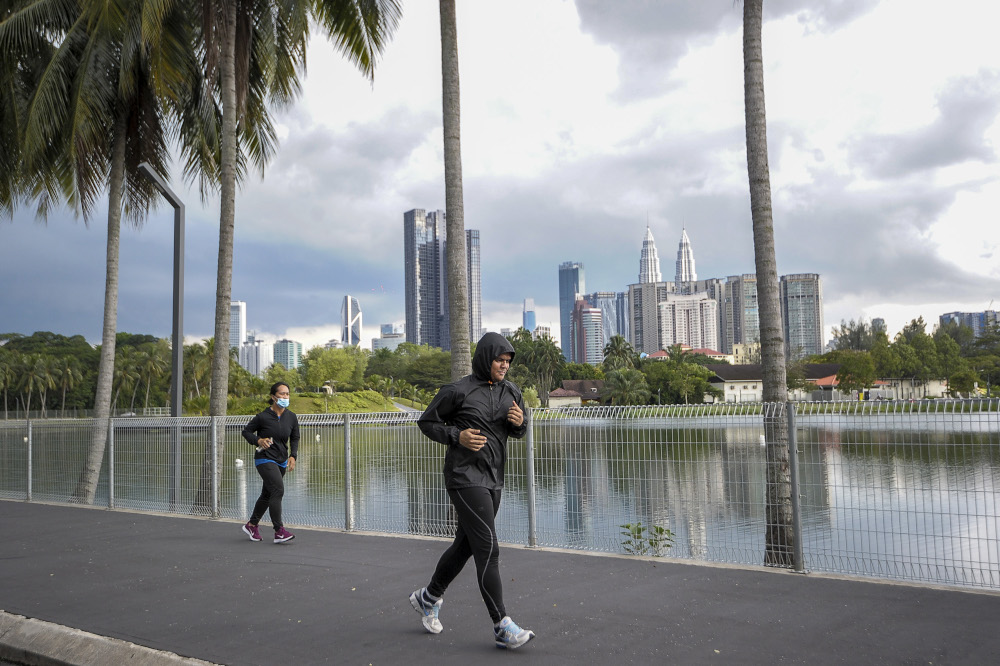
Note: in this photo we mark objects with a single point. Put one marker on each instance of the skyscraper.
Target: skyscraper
(689, 319)
(237, 323)
(288, 353)
(528, 315)
(426, 276)
(649, 261)
(614, 312)
(474, 273)
(571, 283)
(350, 322)
(742, 316)
(685, 275)
(588, 333)
(256, 356)
(802, 314)
(644, 314)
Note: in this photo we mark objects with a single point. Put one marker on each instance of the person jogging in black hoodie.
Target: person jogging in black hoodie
(473, 418)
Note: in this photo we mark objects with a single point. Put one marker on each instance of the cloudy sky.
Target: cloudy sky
(581, 122)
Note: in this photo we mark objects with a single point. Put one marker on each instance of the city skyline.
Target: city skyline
(887, 192)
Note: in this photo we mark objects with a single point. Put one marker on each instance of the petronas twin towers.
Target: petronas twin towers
(649, 263)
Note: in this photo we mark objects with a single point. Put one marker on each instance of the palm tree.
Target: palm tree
(68, 375)
(780, 534)
(458, 284)
(8, 376)
(152, 364)
(618, 354)
(94, 114)
(253, 52)
(626, 386)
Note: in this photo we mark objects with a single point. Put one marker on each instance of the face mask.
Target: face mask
(283, 402)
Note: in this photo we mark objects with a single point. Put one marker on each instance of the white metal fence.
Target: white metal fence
(885, 489)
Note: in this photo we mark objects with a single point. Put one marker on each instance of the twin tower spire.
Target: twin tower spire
(649, 262)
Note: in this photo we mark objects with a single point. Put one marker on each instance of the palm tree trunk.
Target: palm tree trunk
(458, 281)
(86, 487)
(779, 537)
(224, 279)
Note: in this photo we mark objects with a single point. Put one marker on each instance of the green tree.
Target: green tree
(857, 371)
(626, 386)
(779, 536)
(853, 336)
(963, 336)
(254, 51)
(618, 354)
(887, 361)
(68, 375)
(963, 383)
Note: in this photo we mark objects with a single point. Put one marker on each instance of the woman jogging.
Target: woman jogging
(275, 434)
(473, 418)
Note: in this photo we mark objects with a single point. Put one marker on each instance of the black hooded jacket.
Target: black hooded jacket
(475, 402)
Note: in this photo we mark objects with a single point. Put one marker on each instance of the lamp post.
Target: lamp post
(177, 338)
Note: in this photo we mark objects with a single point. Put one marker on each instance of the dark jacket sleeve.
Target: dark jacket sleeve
(518, 431)
(250, 431)
(434, 421)
(293, 439)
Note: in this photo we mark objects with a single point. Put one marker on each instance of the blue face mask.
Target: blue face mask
(283, 402)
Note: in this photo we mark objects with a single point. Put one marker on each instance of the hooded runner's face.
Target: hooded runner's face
(499, 367)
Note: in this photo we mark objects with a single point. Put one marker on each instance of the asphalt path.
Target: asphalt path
(200, 589)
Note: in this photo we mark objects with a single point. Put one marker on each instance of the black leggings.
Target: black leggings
(475, 537)
(270, 494)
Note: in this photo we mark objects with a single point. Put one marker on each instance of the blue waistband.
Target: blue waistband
(262, 461)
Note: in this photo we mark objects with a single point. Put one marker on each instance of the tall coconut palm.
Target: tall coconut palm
(780, 534)
(94, 114)
(253, 52)
(68, 376)
(458, 282)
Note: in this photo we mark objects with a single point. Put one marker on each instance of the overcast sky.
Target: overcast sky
(581, 121)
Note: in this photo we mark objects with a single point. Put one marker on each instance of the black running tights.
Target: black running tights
(475, 537)
(270, 494)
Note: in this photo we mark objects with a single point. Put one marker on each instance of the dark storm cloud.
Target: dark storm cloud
(967, 108)
(651, 37)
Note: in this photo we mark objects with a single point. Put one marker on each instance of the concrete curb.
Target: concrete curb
(34, 642)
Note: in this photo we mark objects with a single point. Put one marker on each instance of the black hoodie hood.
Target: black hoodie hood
(489, 347)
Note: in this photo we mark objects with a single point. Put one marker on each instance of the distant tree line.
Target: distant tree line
(952, 353)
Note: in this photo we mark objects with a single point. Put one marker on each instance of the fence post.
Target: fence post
(28, 439)
(215, 448)
(532, 539)
(215, 476)
(798, 560)
(348, 492)
(241, 487)
(111, 463)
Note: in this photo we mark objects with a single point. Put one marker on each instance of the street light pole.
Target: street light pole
(177, 338)
(177, 372)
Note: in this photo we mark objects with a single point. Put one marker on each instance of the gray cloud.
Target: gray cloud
(651, 37)
(967, 107)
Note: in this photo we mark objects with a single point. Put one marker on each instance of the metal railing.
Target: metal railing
(896, 490)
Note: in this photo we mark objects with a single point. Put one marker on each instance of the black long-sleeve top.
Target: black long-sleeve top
(283, 431)
(475, 402)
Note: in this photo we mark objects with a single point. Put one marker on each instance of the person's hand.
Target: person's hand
(515, 415)
(291, 464)
(264, 442)
(471, 439)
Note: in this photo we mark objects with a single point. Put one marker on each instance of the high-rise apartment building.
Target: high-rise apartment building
(474, 272)
(742, 316)
(237, 323)
(288, 353)
(528, 315)
(802, 314)
(644, 314)
(977, 321)
(649, 261)
(689, 319)
(588, 333)
(542, 331)
(614, 312)
(256, 356)
(350, 322)
(426, 277)
(391, 336)
(571, 285)
(685, 274)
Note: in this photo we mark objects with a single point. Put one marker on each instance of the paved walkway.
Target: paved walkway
(199, 588)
